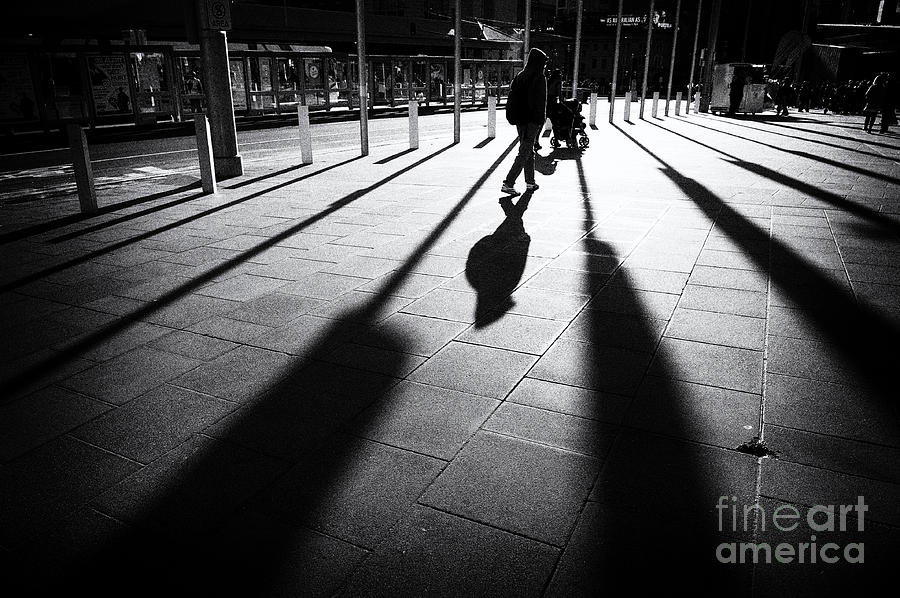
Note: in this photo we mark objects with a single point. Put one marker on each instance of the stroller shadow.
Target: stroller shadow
(563, 153)
(496, 262)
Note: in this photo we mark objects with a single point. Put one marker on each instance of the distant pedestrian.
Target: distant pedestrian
(736, 93)
(526, 107)
(888, 105)
(122, 100)
(783, 98)
(803, 97)
(874, 102)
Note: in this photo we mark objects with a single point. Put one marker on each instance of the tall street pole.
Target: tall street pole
(615, 72)
(646, 58)
(672, 60)
(746, 31)
(580, 10)
(709, 67)
(694, 57)
(217, 84)
(362, 67)
(457, 69)
(527, 42)
(804, 29)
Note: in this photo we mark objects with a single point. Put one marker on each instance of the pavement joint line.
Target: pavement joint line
(490, 525)
(360, 436)
(837, 436)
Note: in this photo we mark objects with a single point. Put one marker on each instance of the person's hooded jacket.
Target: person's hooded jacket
(529, 90)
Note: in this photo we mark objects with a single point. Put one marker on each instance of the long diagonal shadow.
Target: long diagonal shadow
(12, 285)
(797, 137)
(736, 123)
(235, 508)
(881, 220)
(78, 347)
(865, 338)
(652, 508)
(268, 175)
(122, 219)
(44, 227)
(836, 136)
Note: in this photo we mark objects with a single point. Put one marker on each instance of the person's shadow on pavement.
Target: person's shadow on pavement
(546, 165)
(496, 262)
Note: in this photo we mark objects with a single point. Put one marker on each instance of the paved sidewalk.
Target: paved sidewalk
(371, 377)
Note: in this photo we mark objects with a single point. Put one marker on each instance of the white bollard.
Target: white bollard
(305, 134)
(678, 104)
(627, 106)
(696, 102)
(655, 104)
(205, 153)
(81, 162)
(592, 119)
(413, 124)
(492, 117)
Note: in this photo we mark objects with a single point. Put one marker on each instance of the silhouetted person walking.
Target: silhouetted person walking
(888, 104)
(526, 107)
(783, 98)
(736, 93)
(874, 102)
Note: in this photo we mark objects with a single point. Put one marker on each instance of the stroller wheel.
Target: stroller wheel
(554, 142)
(584, 141)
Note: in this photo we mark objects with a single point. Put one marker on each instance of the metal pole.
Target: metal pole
(457, 69)
(672, 61)
(205, 153)
(492, 117)
(804, 29)
(712, 38)
(615, 73)
(362, 67)
(580, 10)
(646, 59)
(694, 58)
(413, 124)
(526, 45)
(746, 31)
(305, 134)
(81, 163)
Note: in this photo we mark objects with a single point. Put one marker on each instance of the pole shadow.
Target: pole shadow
(23, 233)
(866, 140)
(21, 379)
(880, 220)
(652, 508)
(825, 143)
(255, 503)
(35, 276)
(399, 154)
(868, 341)
(266, 176)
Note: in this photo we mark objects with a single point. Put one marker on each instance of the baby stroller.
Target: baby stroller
(568, 125)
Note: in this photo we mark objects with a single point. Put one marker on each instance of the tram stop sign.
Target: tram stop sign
(217, 15)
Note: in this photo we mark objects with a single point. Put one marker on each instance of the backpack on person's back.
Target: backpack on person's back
(517, 101)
